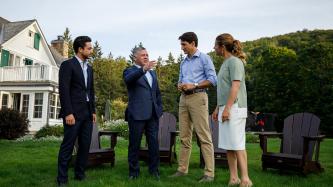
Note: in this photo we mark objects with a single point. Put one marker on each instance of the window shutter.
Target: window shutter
(36, 41)
(4, 58)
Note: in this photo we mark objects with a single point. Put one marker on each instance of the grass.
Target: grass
(32, 163)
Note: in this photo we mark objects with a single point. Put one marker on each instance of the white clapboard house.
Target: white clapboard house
(29, 72)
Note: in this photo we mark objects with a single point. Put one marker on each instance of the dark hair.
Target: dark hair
(80, 41)
(189, 37)
(233, 46)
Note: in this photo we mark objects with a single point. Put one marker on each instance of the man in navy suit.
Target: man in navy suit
(77, 98)
(143, 111)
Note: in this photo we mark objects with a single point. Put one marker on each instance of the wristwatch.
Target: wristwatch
(196, 85)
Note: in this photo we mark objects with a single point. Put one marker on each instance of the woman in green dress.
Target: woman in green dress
(231, 109)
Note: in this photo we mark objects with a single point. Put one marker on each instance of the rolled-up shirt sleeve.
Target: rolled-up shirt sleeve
(210, 70)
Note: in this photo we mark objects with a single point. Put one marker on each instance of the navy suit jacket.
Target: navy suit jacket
(73, 91)
(143, 101)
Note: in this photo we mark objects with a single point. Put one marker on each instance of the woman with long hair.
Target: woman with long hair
(231, 109)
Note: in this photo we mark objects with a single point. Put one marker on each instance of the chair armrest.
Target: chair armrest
(306, 144)
(263, 138)
(108, 133)
(113, 136)
(314, 138)
(174, 133)
(270, 134)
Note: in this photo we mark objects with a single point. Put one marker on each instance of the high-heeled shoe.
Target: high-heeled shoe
(247, 184)
(234, 182)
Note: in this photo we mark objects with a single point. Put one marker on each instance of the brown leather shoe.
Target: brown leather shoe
(178, 174)
(206, 178)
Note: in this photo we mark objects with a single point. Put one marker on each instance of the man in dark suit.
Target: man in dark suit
(77, 98)
(143, 111)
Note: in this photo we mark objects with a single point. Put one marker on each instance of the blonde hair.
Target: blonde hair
(233, 46)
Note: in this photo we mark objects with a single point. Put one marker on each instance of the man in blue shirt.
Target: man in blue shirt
(197, 73)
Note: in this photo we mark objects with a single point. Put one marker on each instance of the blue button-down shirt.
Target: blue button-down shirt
(84, 66)
(197, 68)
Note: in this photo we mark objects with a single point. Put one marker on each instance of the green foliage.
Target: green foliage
(252, 138)
(97, 51)
(119, 125)
(171, 59)
(109, 84)
(12, 124)
(47, 130)
(68, 38)
(118, 107)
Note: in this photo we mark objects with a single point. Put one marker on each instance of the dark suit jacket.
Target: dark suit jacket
(73, 91)
(143, 101)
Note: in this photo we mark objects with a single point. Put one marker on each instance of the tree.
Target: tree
(97, 51)
(110, 56)
(131, 61)
(180, 58)
(68, 38)
(171, 59)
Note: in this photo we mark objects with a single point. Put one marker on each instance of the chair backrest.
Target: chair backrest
(95, 144)
(214, 128)
(296, 126)
(167, 123)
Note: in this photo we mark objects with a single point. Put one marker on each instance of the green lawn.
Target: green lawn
(34, 164)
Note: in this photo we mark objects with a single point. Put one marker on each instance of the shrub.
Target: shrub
(117, 125)
(47, 130)
(252, 138)
(12, 124)
(118, 108)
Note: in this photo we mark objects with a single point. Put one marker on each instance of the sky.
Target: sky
(119, 25)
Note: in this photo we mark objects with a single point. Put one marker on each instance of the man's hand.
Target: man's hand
(188, 86)
(215, 114)
(94, 118)
(70, 120)
(150, 65)
(180, 87)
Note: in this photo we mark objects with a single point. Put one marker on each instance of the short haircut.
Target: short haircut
(80, 41)
(189, 37)
(137, 49)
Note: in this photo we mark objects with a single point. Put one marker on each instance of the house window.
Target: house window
(36, 41)
(25, 105)
(4, 103)
(38, 108)
(11, 59)
(28, 62)
(17, 60)
(52, 106)
(58, 107)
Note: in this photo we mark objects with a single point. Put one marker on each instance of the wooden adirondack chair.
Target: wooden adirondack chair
(220, 155)
(299, 139)
(167, 140)
(98, 155)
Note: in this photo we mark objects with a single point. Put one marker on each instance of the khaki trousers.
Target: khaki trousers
(193, 113)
